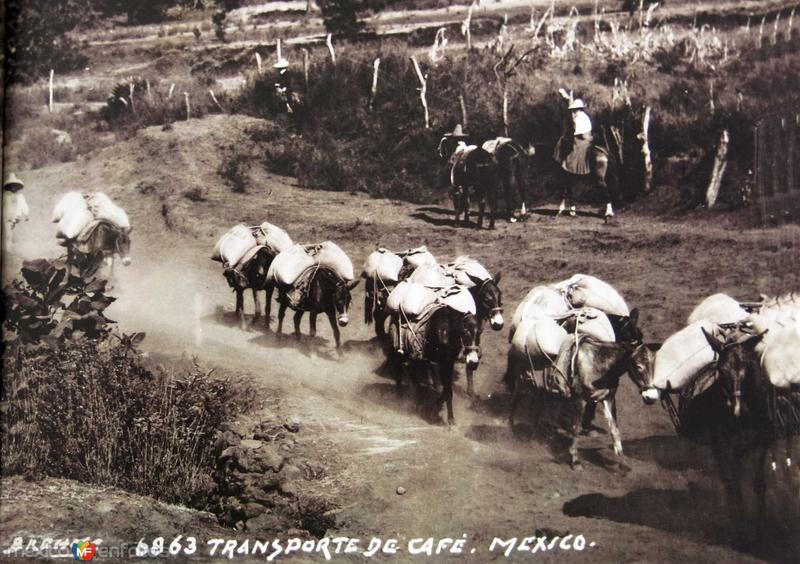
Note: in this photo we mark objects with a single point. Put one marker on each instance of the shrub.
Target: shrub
(79, 401)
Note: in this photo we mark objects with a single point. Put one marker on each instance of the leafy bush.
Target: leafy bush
(79, 401)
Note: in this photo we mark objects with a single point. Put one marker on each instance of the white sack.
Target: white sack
(232, 246)
(410, 297)
(594, 323)
(719, 308)
(73, 222)
(288, 265)
(683, 356)
(273, 237)
(458, 298)
(104, 209)
(68, 201)
(588, 291)
(431, 276)
(419, 256)
(332, 256)
(383, 265)
(781, 359)
(540, 338)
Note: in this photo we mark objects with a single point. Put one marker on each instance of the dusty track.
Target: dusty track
(476, 478)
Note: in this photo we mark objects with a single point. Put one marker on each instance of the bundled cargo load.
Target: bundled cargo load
(468, 272)
(431, 276)
(232, 246)
(330, 255)
(68, 202)
(539, 339)
(74, 221)
(719, 308)
(104, 209)
(683, 356)
(458, 298)
(419, 256)
(288, 265)
(781, 356)
(383, 265)
(542, 300)
(583, 290)
(592, 322)
(272, 237)
(410, 298)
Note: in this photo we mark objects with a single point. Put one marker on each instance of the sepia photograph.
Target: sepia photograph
(404, 280)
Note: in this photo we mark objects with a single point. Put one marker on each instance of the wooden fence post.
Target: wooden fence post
(720, 162)
(375, 66)
(214, 98)
(644, 136)
(423, 90)
(171, 88)
(463, 110)
(50, 103)
(258, 63)
(188, 107)
(329, 43)
(131, 89)
(305, 66)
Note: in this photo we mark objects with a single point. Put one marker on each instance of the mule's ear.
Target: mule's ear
(497, 277)
(716, 343)
(353, 284)
(634, 315)
(750, 341)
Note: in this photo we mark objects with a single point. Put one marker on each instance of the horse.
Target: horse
(592, 373)
(440, 336)
(740, 412)
(322, 290)
(606, 161)
(252, 275)
(103, 243)
(472, 169)
(489, 307)
(511, 160)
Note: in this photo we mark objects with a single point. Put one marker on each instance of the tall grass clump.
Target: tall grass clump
(80, 402)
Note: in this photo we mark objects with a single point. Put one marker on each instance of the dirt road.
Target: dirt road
(478, 478)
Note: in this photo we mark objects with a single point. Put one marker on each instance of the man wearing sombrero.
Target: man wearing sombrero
(282, 86)
(15, 208)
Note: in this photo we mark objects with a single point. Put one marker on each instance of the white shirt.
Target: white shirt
(583, 124)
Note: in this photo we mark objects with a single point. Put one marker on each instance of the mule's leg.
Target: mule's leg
(334, 327)
(481, 211)
(516, 395)
(268, 306)
(600, 173)
(492, 196)
(298, 315)
(446, 377)
(465, 206)
(312, 324)
(574, 461)
(240, 307)
(380, 325)
(257, 304)
(281, 315)
(760, 480)
(727, 472)
(612, 426)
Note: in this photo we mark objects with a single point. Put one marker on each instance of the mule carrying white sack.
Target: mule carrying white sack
(719, 308)
(410, 298)
(431, 276)
(458, 298)
(232, 246)
(781, 357)
(288, 265)
(539, 338)
(419, 256)
(273, 237)
(587, 291)
(104, 209)
(329, 254)
(383, 265)
(74, 219)
(683, 356)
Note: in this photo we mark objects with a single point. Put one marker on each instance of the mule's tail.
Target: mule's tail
(512, 372)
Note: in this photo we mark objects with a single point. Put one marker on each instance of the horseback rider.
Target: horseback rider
(573, 150)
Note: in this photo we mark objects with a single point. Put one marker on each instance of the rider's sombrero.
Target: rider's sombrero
(457, 132)
(281, 64)
(13, 183)
(577, 104)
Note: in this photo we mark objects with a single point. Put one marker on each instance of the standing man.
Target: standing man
(15, 208)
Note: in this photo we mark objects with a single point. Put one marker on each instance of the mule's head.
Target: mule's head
(626, 328)
(258, 268)
(641, 371)
(122, 246)
(736, 361)
(490, 302)
(468, 330)
(341, 301)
